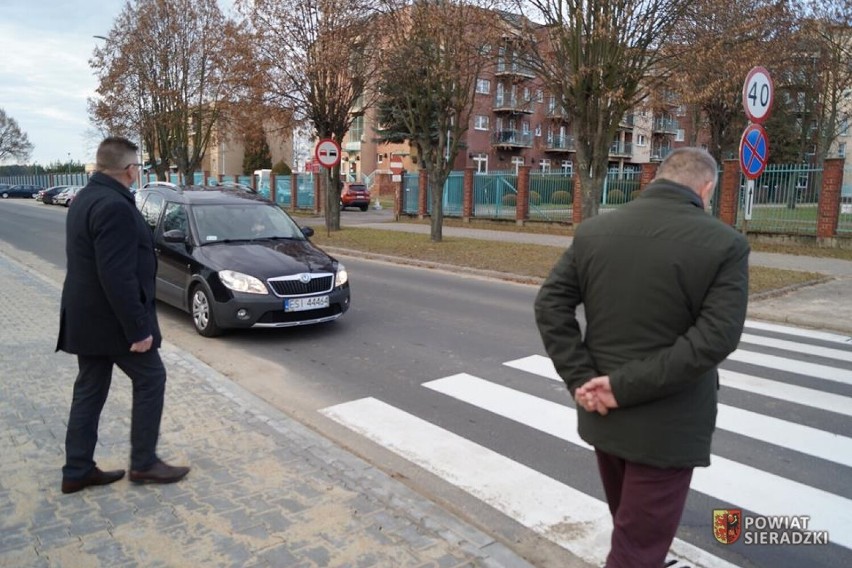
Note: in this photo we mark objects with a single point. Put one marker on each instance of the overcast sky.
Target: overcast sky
(45, 79)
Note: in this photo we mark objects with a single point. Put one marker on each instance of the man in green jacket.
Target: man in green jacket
(664, 287)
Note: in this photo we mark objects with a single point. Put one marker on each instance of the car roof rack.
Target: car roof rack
(235, 185)
(168, 184)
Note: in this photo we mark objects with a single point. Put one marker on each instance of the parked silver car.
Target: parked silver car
(66, 196)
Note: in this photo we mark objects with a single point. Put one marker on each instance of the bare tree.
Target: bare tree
(434, 53)
(712, 53)
(826, 30)
(311, 60)
(600, 59)
(13, 142)
(162, 77)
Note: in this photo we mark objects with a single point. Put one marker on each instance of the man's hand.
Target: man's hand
(142, 346)
(596, 395)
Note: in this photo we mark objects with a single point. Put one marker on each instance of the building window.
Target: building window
(545, 166)
(681, 110)
(679, 137)
(517, 162)
(481, 162)
(844, 127)
(567, 167)
(527, 93)
(480, 122)
(539, 96)
(841, 150)
(483, 86)
(380, 159)
(538, 130)
(525, 128)
(640, 140)
(356, 129)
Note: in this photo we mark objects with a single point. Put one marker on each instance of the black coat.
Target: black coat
(108, 299)
(665, 288)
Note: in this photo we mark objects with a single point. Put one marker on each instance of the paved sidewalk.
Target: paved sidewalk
(825, 306)
(263, 490)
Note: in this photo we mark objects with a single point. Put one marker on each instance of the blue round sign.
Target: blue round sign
(754, 151)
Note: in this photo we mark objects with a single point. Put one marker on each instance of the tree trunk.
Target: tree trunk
(436, 185)
(332, 198)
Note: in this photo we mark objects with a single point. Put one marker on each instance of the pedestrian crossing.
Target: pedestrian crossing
(784, 366)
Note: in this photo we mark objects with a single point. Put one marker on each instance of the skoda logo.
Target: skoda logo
(304, 278)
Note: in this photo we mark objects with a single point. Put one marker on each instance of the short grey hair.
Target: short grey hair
(692, 167)
(114, 154)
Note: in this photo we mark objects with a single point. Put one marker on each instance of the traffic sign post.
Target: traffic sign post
(754, 154)
(758, 95)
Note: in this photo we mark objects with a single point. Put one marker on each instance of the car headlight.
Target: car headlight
(342, 277)
(239, 282)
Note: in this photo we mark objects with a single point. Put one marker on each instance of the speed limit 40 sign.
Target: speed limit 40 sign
(758, 92)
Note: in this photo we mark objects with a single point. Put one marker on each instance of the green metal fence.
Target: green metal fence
(785, 200)
(495, 195)
(551, 197)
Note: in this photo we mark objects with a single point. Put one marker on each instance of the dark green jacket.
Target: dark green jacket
(664, 287)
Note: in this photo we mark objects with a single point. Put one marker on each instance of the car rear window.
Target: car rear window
(355, 187)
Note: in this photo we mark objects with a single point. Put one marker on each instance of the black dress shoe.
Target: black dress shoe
(95, 477)
(160, 472)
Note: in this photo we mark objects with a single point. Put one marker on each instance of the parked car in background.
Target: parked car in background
(46, 195)
(66, 196)
(233, 259)
(21, 190)
(355, 195)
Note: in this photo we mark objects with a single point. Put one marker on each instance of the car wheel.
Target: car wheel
(202, 313)
(363, 207)
(5, 196)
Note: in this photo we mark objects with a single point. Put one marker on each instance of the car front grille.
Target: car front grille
(286, 286)
(280, 316)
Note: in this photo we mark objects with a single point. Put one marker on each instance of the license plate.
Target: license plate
(302, 304)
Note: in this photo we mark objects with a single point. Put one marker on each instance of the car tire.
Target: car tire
(202, 313)
(363, 207)
(5, 196)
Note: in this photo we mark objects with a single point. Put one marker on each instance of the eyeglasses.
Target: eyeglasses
(128, 166)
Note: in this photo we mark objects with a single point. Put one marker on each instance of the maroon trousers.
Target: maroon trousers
(646, 505)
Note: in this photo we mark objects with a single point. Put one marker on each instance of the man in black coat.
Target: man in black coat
(108, 317)
(664, 286)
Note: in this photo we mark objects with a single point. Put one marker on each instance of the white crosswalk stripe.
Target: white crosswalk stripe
(583, 528)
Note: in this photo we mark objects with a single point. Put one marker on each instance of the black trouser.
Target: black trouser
(148, 374)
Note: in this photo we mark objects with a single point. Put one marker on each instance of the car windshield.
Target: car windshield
(250, 221)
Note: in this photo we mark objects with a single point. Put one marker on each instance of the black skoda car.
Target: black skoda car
(233, 259)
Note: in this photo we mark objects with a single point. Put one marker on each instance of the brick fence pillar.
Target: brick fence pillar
(522, 205)
(828, 210)
(729, 195)
(423, 190)
(647, 174)
(294, 190)
(577, 202)
(467, 196)
(272, 188)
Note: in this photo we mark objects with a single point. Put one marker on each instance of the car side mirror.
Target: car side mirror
(174, 236)
(308, 231)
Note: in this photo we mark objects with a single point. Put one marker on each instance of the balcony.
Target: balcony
(511, 139)
(621, 149)
(557, 112)
(627, 121)
(505, 69)
(659, 153)
(516, 105)
(352, 145)
(665, 126)
(560, 144)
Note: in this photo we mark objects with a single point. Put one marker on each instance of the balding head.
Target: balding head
(692, 167)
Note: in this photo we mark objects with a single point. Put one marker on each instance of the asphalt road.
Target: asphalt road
(422, 360)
